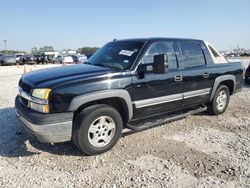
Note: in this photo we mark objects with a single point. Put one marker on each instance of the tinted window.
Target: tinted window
(161, 48)
(192, 55)
(117, 55)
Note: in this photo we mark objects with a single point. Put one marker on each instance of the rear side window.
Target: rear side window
(192, 55)
(161, 48)
(215, 54)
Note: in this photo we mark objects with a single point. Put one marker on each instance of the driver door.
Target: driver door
(158, 93)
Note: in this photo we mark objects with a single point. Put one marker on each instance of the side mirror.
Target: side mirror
(160, 64)
(141, 70)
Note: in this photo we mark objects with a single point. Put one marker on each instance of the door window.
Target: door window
(192, 55)
(161, 48)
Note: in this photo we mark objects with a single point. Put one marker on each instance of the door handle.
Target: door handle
(205, 75)
(178, 78)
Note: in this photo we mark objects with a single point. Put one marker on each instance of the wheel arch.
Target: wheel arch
(228, 80)
(117, 98)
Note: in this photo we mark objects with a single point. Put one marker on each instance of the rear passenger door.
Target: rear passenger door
(197, 83)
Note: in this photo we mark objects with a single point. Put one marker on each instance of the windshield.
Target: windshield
(117, 55)
(9, 56)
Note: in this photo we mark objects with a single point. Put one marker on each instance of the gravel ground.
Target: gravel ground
(198, 151)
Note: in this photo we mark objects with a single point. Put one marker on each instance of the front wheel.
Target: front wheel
(220, 101)
(97, 129)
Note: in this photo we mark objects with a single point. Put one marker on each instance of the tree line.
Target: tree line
(84, 50)
(87, 50)
(11, 52)
(35, 50)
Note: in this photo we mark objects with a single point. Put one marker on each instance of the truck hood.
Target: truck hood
(51, 77)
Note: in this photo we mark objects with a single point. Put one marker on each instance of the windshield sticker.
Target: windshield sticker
(126, 61)
(126, 52)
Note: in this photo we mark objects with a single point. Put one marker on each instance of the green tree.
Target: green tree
(87, 50)
(46, 49)
(34, 50)
(11, 52)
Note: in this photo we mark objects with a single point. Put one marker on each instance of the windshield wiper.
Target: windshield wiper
(100, 65)
(103, 65)
(88, 63)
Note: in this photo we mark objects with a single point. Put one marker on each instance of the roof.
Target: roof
(153, 39)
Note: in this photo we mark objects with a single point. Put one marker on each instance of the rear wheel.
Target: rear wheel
(220, 101)
(247, 81)
(97, 129)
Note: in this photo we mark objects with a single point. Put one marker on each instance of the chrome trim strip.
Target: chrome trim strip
(25, 95)
(158, 100)
(196, 93)
(170, 98)
(39, 101)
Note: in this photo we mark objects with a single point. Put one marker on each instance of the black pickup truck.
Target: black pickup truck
(247, 75)
(126, 83)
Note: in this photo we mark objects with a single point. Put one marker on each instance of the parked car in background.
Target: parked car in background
(49, 58)
(82, 58)
(7, 60)
(63, 59)
(27, 59)
(40, 59)
(79, 59)
(18, 58)
(89, 56)
(245, 54)
(75, 59)
(247, 75)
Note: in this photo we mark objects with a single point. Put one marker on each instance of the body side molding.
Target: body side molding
(170, 98)
(196, 93)
(220, 79)
(158, 100)
(118, 93)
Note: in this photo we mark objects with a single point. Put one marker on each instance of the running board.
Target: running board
(149, 125)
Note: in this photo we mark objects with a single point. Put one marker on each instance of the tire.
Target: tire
(92, 138)
(247, 82)
(220, 101)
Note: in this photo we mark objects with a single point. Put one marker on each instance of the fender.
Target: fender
(119, 93)
(220, 79)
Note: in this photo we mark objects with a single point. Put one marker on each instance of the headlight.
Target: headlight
(41, 93)
(39, 107)
(40, 101)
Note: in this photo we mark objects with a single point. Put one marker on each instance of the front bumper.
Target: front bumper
(47, 128)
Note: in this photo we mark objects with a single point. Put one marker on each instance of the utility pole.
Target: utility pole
(5, 45)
